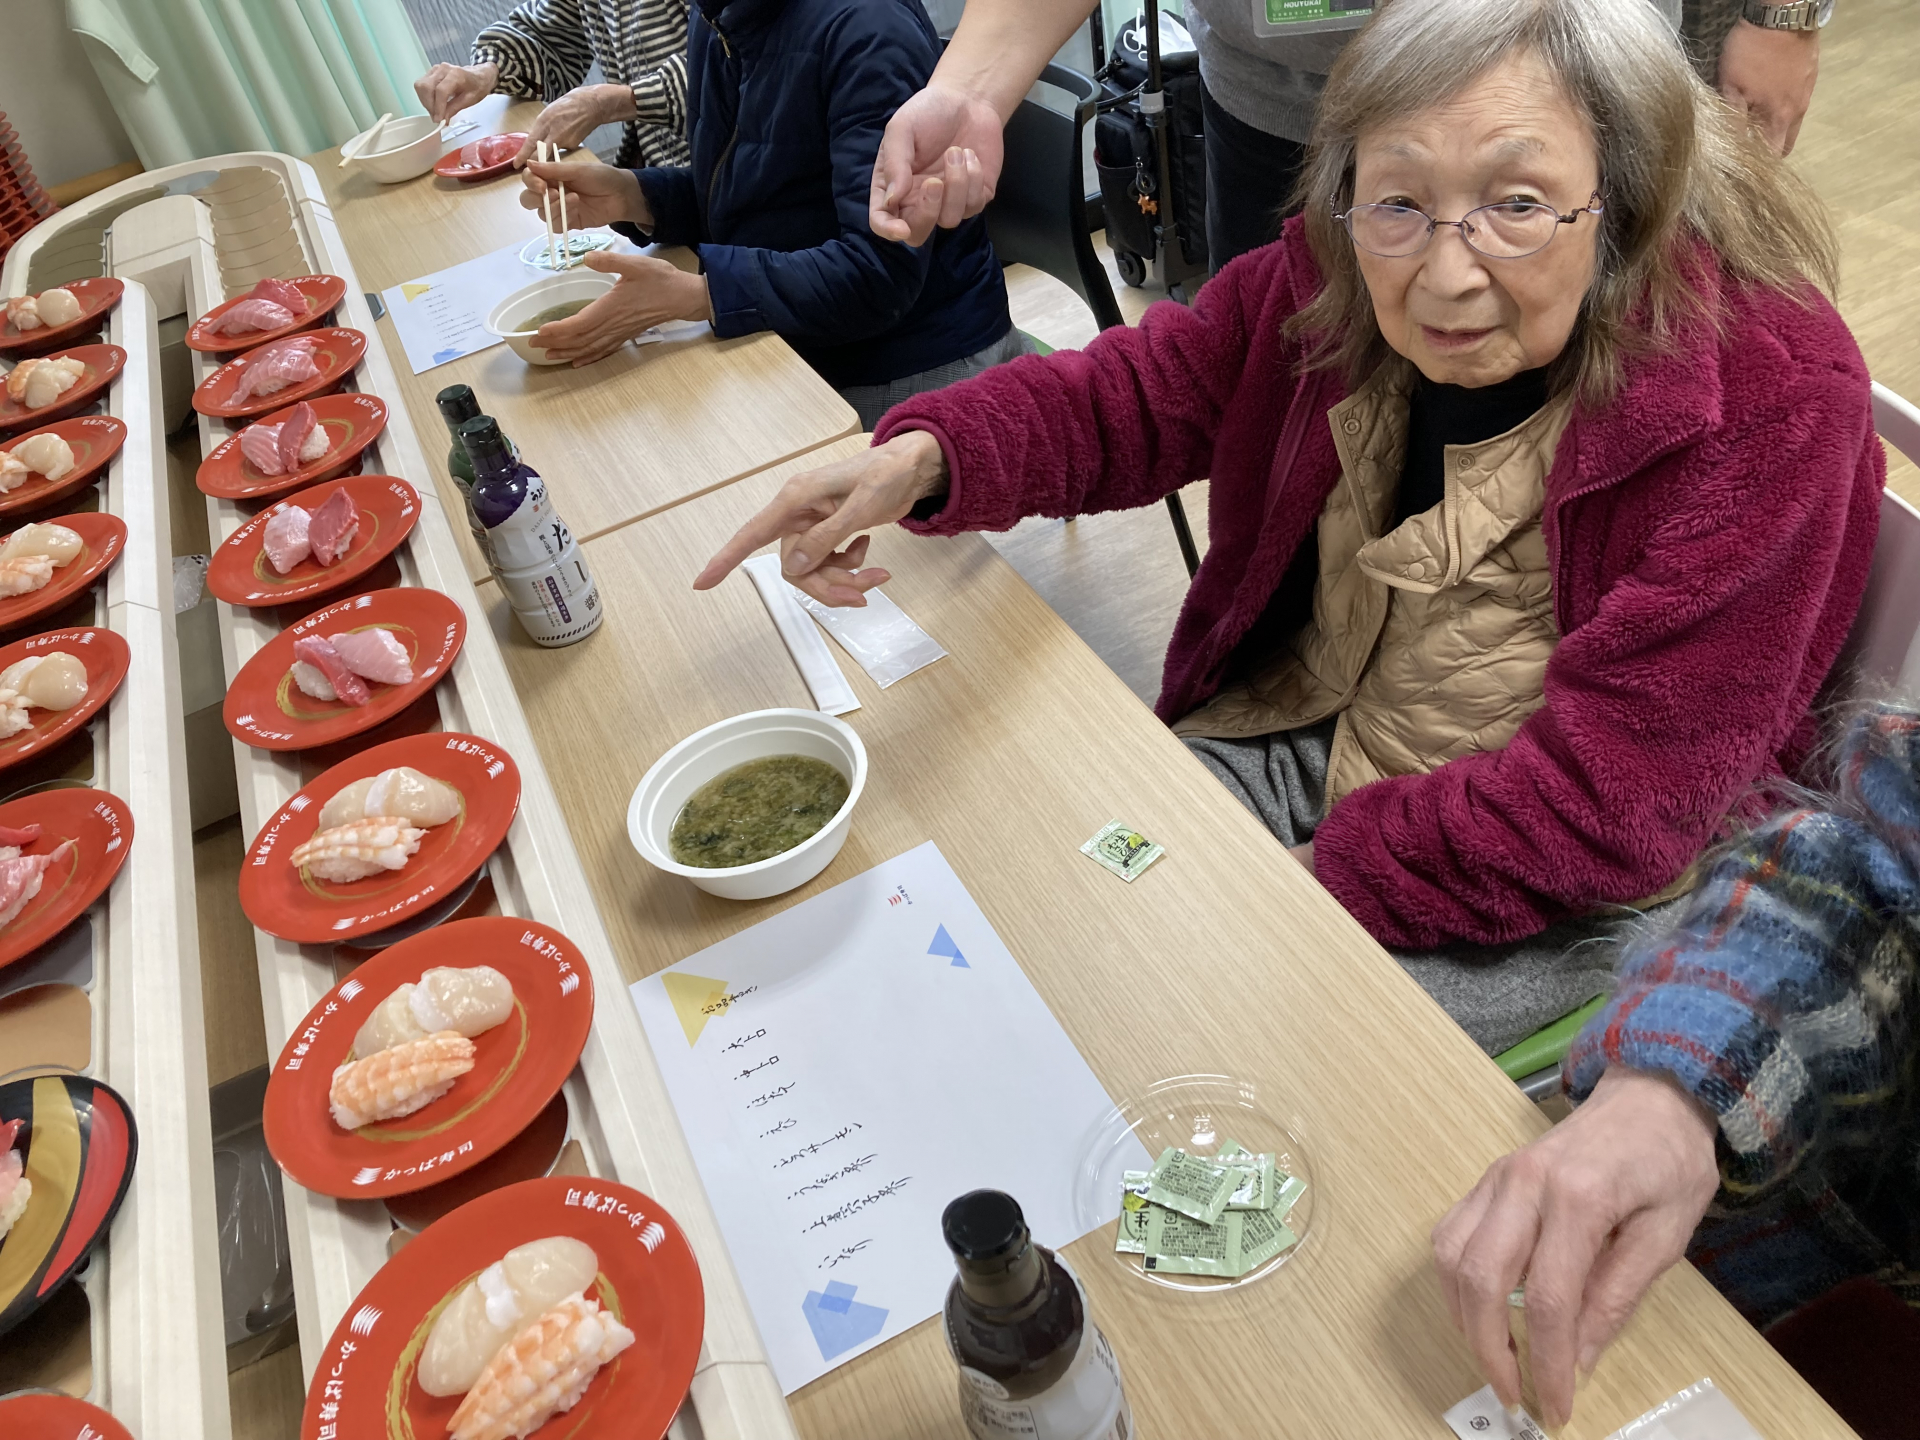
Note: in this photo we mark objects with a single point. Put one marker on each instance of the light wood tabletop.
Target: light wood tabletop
(1225, 957)
(644, 429)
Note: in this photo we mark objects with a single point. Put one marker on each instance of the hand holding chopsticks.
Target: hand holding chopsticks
(546, 155)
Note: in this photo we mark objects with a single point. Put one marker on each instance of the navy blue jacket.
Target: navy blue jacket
(786, 101)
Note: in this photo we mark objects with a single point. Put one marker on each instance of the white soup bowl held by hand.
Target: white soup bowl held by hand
(664, 790)
(512, 319)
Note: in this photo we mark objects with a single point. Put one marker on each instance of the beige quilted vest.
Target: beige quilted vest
(1432, 640)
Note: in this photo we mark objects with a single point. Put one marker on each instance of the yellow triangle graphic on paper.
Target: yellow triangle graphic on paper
(413, 290)
(696, 1000)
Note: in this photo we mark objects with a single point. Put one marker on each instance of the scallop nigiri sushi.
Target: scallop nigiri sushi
(58, 306)
(47, 455)
(353, 852)
(36, 384)
(497, 1305)
(58, 543)
(15, 1189)
(54, 681)
(375, 654)
(542, 1372)
(397, 1082)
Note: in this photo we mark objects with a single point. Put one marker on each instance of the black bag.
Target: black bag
(1123, 149)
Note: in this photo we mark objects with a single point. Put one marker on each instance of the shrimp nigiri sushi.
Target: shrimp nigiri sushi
(397, 1082)
(21, 877)
(353, 852)
(58, 306)
(497, 1305)
(47, 455)
(321, 671)
(286, 539)
(15, 1189)
(374, 654)
(468, 1000)
(23, 574)
(36, 384)
(542, 1372)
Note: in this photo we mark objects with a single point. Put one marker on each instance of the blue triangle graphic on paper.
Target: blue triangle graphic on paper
(943, 945)
(839, 1322)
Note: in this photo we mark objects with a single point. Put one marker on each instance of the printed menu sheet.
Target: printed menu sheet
(844, 1070)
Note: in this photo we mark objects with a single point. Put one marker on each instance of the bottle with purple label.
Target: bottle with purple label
(539, 567)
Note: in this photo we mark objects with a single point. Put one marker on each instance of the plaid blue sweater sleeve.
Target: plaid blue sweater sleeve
(1782, 997)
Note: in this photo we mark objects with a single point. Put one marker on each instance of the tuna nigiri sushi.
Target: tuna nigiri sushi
(21, 877)
(542, 1372)
(15, 1189)
(271, 449)
(374, 654)
(319, 670)
(274, 367)
(396, 1082)
(268, 306)
(286, 538)
(335, 523)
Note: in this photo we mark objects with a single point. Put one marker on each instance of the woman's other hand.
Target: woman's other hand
(596, 194)
(1589, 1215)
(1768, 76)
(446, 89)
(939, 162)
(814, 515)
(575, 115)
(650, 292)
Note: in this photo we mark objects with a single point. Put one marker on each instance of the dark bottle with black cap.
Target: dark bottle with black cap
(531, 552)
(1032, 1362)
(458, 404)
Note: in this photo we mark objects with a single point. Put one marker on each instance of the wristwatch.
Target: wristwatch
(1796, 15)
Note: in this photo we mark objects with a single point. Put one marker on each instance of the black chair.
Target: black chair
(1038, 217)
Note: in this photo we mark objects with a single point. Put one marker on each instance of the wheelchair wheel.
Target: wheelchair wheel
(1133, 269)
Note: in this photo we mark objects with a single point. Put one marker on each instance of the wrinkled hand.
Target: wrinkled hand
(939, 162)
(650, 291)
(596, 194)
(1589, 1215)
(817, 511)
(1768, 75)
(575, 115)
(446, 89)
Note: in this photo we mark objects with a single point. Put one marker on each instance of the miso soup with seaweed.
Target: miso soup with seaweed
(565, 310)
(756, 811)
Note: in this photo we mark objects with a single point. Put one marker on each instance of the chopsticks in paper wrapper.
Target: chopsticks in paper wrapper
(804, 642)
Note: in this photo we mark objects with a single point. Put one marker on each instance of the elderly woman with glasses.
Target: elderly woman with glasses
(1543, 489)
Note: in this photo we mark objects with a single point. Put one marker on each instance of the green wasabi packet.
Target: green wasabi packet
(1256, 1188)
(1131, 1237)
(1287, 1195)
(1180, 1245)
(1190, 1185)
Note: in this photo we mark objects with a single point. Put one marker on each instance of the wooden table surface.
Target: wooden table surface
(1225, 957)
(646, 428)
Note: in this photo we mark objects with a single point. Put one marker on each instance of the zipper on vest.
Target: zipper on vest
(733, 135)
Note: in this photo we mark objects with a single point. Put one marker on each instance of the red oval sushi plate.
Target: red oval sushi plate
(43, 1415)
(95, 440)
(267, 710)
(339, 351)
(102, 538)
(96, 296)
(103, 362)
(241, 574)
(80, 1144)
(449, 166)
(101, 827)
(648, 1280)
(282, 899)
(518, 1066)
(353, 422)
(106, 657)
(323, 292)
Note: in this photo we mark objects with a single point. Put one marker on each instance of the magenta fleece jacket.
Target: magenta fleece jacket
(1709, 532)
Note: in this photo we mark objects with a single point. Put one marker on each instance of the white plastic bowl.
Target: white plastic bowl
(407, 147)
(509, 318)
(664, 790)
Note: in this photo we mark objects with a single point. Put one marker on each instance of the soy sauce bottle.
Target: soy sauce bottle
(458, 404)
(539, 567)
(1033, 1365)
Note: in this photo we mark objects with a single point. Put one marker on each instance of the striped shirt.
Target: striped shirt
(544, 48)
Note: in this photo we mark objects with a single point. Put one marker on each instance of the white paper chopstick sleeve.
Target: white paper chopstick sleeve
(831, 692)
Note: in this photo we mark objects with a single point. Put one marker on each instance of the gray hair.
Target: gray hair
(1676, 165)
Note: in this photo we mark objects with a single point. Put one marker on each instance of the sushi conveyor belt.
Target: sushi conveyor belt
(153, 1289)
(193, 236)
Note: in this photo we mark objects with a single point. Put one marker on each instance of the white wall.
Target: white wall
(52, 97)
